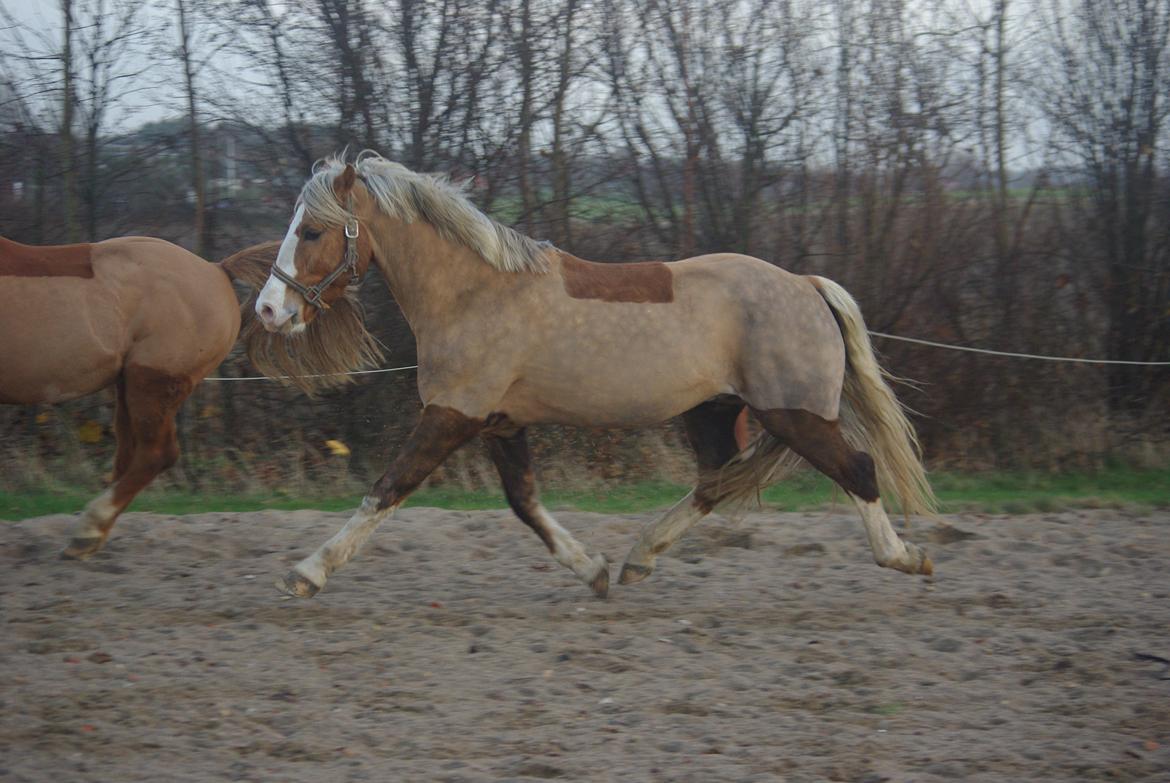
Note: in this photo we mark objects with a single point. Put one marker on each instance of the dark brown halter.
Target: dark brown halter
(313, 293)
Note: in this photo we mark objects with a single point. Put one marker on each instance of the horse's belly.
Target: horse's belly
(631, 396)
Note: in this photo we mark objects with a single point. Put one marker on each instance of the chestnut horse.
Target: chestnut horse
(137, 313)
(512, 332)
(146, 317)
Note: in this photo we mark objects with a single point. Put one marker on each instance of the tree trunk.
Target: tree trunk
(70, 198)
(524, 144)
(562, 231)
(196, 155)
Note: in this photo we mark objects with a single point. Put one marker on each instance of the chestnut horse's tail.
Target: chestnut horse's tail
(334, 343)
(872, 420)
(251, 265)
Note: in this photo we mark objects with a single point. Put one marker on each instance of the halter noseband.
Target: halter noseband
(313, 293)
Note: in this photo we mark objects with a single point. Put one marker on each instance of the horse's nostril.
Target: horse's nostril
(267, 313)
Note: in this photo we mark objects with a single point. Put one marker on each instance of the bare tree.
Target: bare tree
(349, 26)
(67, 103)
(187, 61)
(30, 128)
(106, 34)
(1107, 96)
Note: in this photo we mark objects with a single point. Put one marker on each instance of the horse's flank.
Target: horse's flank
(73, 316)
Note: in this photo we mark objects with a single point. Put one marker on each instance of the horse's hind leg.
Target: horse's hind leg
(820, 442)
(714, 432)
(99, 514)
(512, 460)
(148, 444)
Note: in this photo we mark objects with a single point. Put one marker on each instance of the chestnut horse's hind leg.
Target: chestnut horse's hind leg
(148, 444)
(123, 432)
(439, 432)
(820, 443)
(715, 433)
(512, 460)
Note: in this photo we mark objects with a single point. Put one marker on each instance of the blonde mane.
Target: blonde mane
(409, 196)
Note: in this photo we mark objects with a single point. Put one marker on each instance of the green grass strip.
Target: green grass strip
(1010, 493)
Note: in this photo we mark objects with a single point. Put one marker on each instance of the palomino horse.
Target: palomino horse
(512, 332)
(138, 313)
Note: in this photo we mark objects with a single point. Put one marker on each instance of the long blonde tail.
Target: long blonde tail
(872, 418)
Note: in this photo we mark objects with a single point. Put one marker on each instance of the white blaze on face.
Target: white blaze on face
(276, 304)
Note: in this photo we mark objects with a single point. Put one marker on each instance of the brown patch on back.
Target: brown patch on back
(17, 260)
(645, 282)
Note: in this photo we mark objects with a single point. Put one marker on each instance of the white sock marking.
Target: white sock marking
(345, 543)
(886, 545)
(661, 535)
(566, 549)
(98, 514)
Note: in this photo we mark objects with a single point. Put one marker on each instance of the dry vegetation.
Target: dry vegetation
(993, 175)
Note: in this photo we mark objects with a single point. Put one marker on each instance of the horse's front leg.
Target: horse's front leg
(439, 432)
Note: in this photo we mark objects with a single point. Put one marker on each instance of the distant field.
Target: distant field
(1000, 493)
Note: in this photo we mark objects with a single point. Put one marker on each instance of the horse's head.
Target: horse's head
(322, 253)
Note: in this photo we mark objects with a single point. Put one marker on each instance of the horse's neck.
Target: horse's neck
(428, 275)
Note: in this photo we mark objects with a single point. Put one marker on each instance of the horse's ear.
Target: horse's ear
(344, 181)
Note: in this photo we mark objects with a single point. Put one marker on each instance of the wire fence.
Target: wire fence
(899, 338)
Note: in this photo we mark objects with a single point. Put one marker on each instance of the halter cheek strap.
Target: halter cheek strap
(313, 293)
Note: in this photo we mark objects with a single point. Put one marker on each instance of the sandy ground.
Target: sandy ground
(453, 649)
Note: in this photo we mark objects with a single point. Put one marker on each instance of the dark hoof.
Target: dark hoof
(297, 586)
(81, 548)
(633, 573)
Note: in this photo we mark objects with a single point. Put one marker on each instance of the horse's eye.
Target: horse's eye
(309, 235)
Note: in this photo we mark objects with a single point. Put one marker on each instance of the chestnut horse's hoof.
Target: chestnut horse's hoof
(297, 586)
(81, 548)
(633, 573)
